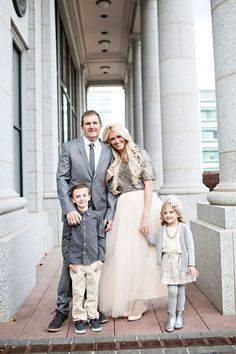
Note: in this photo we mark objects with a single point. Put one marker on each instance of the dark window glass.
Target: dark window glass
(17, 127)
(68, 128)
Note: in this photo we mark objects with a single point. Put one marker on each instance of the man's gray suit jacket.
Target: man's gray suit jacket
(73, 167)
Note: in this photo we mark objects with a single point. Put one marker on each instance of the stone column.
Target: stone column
(82, 90)
(24, 236)
(137, 92)
(179, 105)
(125, 88)
(151, 86)
(130, 100)
(224, 30)
(215, 229)
(50, 118)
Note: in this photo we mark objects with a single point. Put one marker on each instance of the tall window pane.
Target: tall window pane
(17, 128)
(65, 119)
(68, 126)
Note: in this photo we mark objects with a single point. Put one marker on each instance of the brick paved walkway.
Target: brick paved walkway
(205, 331)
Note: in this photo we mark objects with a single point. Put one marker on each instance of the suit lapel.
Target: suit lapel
(82, 152)
(101, 158)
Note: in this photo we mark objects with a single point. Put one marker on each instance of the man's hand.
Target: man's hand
(108, 225)
(73, 217)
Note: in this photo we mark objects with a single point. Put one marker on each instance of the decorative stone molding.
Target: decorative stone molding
(20, 7)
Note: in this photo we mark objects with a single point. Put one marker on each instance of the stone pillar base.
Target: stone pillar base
(24, 239)
(215, 246)
(52, 207)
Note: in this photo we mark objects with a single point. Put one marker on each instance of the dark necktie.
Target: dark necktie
(92, 158)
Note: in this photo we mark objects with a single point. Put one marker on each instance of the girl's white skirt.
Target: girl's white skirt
(171, 270)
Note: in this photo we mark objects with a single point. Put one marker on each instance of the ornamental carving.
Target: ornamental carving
(20, 7)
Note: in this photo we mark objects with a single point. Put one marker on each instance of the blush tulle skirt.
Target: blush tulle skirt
(130, 275)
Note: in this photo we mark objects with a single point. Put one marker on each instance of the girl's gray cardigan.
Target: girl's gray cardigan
(186, 242)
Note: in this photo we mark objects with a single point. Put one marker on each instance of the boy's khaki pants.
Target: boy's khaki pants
(85, 278)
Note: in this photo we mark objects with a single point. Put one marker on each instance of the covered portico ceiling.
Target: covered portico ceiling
(99, 36)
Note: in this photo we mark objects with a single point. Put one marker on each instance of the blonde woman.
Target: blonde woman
(129, 276)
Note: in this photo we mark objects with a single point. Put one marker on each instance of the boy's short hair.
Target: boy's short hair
(79, 186)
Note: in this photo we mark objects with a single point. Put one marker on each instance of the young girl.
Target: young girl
(175, 254)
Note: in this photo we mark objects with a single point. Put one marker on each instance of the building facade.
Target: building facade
(51, 52)
(210, 154)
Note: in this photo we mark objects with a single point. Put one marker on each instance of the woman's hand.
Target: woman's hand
(144, 225)
(73, 268)
(193, 271)
(109, 175)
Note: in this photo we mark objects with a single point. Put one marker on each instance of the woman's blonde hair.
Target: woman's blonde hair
(131, 155)
(176, 204)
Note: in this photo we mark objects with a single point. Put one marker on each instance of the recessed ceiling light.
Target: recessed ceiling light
(104, 43)
(105, 67)
(103, 4)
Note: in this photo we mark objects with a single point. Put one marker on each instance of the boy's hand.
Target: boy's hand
(193, 271)
(73, 268)
(98, 266)
(73, 217)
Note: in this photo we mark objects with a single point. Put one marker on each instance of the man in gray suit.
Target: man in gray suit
(84, 160)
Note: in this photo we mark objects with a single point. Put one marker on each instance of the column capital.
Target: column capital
(135, 39)
(129, 66)
(82, 67)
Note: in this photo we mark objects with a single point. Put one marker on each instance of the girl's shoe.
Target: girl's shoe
(170, 323)
(179, 323)
(135, 317)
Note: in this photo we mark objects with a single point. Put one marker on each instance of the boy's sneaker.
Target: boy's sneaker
(80, 327)
(102, 317)
(56, 323)
(95, 325)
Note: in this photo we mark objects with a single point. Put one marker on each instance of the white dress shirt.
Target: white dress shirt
(97, 149)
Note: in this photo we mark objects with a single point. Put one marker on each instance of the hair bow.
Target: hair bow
(175, 202)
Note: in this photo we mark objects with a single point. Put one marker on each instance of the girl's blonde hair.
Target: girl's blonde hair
(176, 204)
(131, 155)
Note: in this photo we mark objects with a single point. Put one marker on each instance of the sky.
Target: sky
(203, 44)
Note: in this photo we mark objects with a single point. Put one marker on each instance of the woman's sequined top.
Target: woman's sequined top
(124, 174)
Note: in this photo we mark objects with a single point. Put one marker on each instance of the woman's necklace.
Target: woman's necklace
(175, 233)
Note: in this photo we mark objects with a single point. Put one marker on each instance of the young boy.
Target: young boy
(83, 249)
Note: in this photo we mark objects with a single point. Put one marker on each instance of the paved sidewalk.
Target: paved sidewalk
(205, 331)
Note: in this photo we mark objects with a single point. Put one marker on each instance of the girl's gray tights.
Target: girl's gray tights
(176, 298)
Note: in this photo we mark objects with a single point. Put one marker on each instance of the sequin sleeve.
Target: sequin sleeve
(148, 173)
